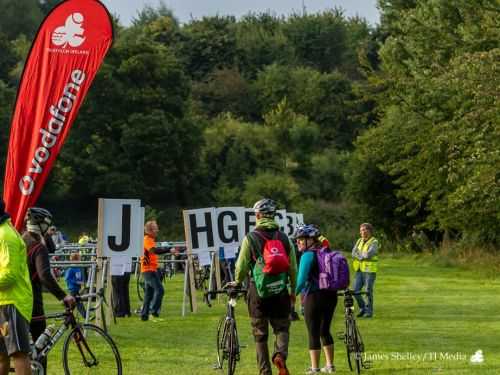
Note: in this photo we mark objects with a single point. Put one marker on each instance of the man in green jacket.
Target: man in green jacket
(16, 299)
(273, 307)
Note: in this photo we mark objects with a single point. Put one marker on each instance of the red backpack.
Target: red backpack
(275, 257)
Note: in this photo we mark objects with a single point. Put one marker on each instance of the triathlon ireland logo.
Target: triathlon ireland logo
(71, 33)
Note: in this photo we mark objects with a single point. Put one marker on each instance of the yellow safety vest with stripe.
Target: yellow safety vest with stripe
(365, 265)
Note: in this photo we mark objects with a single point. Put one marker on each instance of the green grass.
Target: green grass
(420, 309)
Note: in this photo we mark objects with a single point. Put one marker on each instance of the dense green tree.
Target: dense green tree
(360, 38)
(326, 98)
(325, 177)
(209, 44)
(233, 151)
(295, 135)
(135, 135)
(220, 111)
(7, 95)
(261, 41)
(8, 58)
(279, 186)
(438, 137)
(47, 5)
(319, 40)
(226, 90)
(149, 15)
(20, 17)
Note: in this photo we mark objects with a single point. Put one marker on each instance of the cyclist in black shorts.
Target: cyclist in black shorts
(319, 304)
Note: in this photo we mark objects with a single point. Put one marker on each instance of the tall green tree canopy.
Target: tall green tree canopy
(439, 135)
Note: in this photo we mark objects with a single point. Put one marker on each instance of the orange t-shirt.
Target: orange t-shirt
(149, 261)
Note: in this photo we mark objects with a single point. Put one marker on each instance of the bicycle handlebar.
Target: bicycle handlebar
(349, 292)
(231, 292)
(86, 296)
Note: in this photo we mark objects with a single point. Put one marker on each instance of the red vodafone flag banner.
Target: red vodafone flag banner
(64, 58)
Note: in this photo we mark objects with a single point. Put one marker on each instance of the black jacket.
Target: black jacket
(39, 266)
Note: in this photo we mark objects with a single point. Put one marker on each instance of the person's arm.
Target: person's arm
(243, 262)
(159, 250)
(7, 276)
(372, 250)
(42, 266)
(306, 262)
(355, 251)
(49, 243)
(150, 247)
(293, 267)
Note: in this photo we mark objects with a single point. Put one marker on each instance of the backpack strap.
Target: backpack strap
(256, 244)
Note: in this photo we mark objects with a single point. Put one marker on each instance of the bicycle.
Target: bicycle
(352, 337)
(228, 346)
(86, 349)
(201, 275)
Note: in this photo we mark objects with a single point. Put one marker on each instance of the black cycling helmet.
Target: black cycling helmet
(307, 231)
(38, 216)
(265, 206)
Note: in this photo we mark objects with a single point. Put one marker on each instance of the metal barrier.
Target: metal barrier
(92, 265)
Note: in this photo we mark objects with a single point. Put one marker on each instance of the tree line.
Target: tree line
(396, 124)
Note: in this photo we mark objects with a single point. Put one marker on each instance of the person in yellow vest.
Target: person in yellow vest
(365, 258)
(16, 298)
(83, 239)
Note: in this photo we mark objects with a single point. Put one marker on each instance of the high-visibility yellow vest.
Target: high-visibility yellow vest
(365, 265)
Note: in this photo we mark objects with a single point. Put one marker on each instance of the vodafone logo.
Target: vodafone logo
(50, 133)
(71, 33)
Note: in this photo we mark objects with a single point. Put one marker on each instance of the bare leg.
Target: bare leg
(22, 363)
(4, 364)
(328, 349)
(314, 354)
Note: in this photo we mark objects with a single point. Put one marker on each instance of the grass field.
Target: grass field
(428, 320)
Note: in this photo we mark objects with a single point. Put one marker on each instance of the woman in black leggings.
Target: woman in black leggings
(319, 304)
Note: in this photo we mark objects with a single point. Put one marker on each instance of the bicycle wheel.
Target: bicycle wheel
(221, 339)
(231, 347)
(200, 282)
(89, 350)
(358, 349)
(349, 342)
(140, 287)
(102, 313)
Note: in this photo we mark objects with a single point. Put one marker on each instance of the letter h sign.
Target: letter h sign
(199, 228)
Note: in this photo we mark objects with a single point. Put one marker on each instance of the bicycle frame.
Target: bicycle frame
(228, 346)
(69, 322)
(351, 335)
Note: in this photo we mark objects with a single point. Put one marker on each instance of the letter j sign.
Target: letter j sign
(120, 227)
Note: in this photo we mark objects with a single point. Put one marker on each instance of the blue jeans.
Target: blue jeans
(365, 279)
(153, 294)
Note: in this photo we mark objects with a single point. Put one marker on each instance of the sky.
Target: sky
(185, 10)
